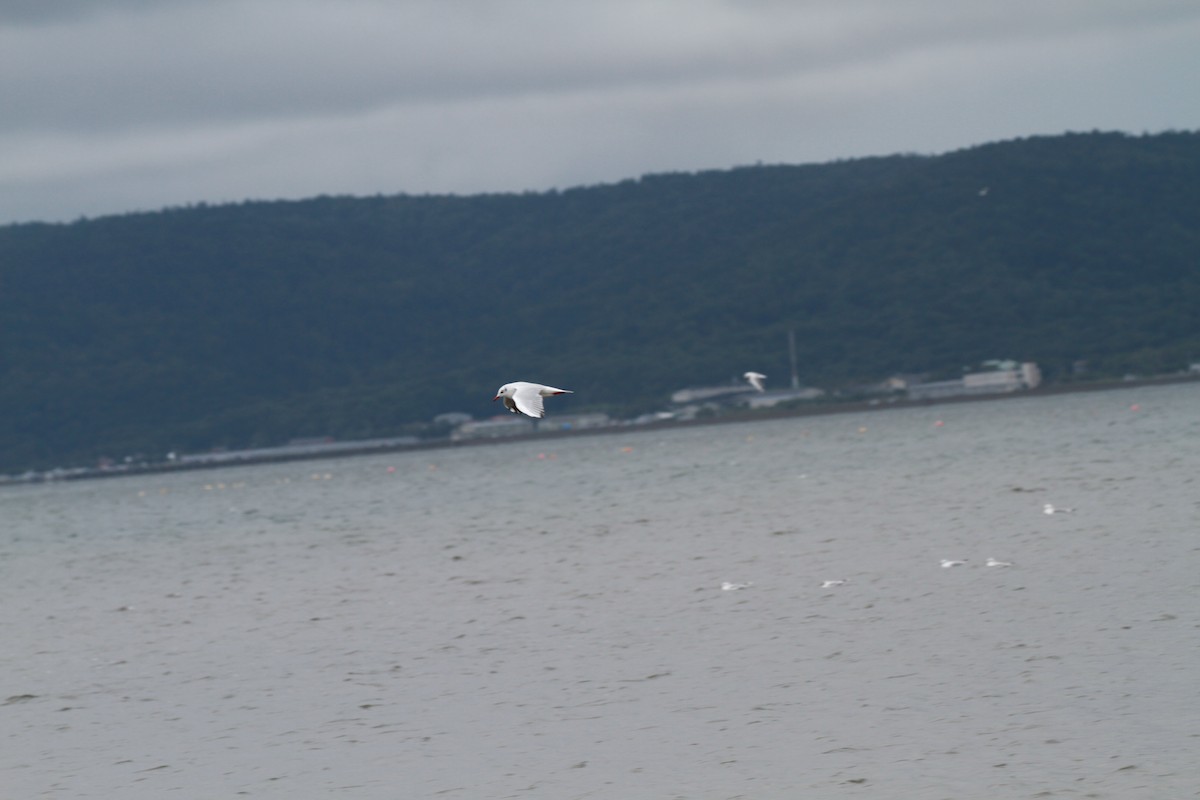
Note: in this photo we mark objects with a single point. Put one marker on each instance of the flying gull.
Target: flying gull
(526, 398)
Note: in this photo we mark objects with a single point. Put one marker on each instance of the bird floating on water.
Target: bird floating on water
(951, 562)
(755, 379)
(991, 562)
(526, 398)
(1050, 508)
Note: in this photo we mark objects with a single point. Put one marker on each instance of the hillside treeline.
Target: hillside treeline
(251, 324)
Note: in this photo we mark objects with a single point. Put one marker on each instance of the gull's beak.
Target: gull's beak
(494, 399)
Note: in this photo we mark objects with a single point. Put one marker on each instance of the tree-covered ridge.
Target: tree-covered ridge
(253, 323)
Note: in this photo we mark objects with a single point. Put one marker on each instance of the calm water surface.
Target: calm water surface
(546, 620)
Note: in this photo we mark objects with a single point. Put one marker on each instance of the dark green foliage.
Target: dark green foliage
(246, 325)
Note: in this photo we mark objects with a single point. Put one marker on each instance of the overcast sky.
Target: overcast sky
(109, 106)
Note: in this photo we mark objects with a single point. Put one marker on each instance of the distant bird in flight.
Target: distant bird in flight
(833, 583)
(1050, 508)
(756, 380)
(947, 563)
(991, 562)
(521, 397)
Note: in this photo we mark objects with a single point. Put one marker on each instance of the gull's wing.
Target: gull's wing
(529, 401)
(547, 391)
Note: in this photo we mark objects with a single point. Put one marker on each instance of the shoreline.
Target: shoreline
(347, 449)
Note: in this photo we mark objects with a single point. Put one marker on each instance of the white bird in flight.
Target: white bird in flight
(1050, 508)
(728, 586)
(756, 380)
(991, 562)
(950, 562)
(526, 398)
(831, 584)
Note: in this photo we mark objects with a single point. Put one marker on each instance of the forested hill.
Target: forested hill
(251, 324)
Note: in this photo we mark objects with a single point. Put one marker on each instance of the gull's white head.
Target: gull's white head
(507, 390)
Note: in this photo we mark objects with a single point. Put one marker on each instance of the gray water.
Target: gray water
(546, 620)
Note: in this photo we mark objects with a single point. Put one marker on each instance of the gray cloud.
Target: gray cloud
(111, 106)
(36, 12)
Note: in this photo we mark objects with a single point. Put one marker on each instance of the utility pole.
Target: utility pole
(792, 353)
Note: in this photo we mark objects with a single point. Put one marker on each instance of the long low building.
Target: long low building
(494, 428)
(514, 425)
(773, 397)
(700, 394)
(1012, 378)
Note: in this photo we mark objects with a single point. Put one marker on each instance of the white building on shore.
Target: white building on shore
(494, 428)
(517, 425)
(701, 394)
(773, 397)
(1005, 376)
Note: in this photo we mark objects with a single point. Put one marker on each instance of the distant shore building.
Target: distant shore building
(574, 422)
(494, 428)
(701, 394)
(1005, 376)
(935, 390)
(500, 427)
(773, 397)
(1023, 376)
(693, 402)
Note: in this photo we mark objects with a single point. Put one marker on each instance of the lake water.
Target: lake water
(546, 619)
